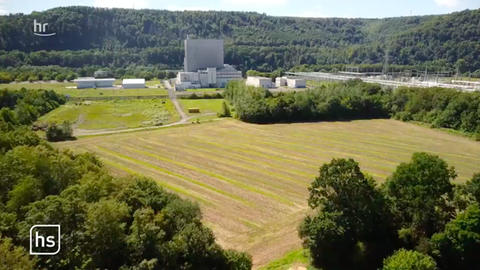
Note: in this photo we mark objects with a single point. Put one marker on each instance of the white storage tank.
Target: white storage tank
(133, 83)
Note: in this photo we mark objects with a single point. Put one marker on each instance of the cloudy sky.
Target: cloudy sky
(304, 8)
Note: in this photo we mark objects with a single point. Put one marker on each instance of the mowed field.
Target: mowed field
(113, 114)
(251, 180)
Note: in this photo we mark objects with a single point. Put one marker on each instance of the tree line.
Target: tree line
(418, 219)
(119, 38)
(61, 74)
(354, 99)
(106, 222)
(342, 101)
(21, 108)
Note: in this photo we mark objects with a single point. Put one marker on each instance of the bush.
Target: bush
(409, 260)
(70, 77)
(33, 78)
(21, 77)
(61, 77)
(56, 133)
(5, 77)
(225, 111)
(170, 75)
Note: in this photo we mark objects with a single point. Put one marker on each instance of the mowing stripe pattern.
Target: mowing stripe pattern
(251, 180)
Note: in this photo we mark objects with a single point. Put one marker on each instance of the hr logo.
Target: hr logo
(42, 28)
(44, 239)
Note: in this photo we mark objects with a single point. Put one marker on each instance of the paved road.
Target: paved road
(173, 97)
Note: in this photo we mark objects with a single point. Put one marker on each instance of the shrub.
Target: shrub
(61, 77)
(56, 133)
(225, 111)
(409, 260)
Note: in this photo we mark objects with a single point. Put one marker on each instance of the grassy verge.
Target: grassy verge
(295, 258)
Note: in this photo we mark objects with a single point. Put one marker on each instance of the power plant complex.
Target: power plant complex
(204, 66)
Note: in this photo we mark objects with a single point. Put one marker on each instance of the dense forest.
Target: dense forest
(107, 222)
(354, 99)
(123, 38)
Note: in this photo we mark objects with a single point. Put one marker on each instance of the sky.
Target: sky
(300, 8)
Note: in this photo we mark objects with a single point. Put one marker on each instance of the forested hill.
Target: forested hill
(120, 37)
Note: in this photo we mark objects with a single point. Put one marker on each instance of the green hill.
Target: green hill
(119, 38)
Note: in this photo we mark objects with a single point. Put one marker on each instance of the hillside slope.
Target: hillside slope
(121, 37)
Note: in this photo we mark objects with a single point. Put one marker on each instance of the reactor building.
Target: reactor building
(204, 66)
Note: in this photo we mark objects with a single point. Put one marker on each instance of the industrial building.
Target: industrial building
(83, 83)
(292, 82)
(280, 81)
(296, 83)
(259, 82)
(202, 54)
(133, 83)
(204, 66)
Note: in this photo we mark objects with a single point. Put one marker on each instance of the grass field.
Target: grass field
(251, 180)
(206, 106)
(114, 114)
(61, 89)
(293, 259)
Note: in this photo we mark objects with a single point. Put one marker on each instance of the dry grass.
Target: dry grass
(251, 180)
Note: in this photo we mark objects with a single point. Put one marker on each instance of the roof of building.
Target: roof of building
(133, 81)
(92, 79)
(222, 69)
(227, 68)
(257, 77)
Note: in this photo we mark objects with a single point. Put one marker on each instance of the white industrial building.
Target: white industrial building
(296, 83)
(259, 82)
(133, 83)
(291, 82)
(83, 83)
(280, 81)
(204, 66)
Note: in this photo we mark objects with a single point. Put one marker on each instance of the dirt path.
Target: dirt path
(86, 132)
(173, 98)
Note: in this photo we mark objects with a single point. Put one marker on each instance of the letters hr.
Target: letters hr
(42, 27)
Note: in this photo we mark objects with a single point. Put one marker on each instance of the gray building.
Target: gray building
(83, 83)
(203, 54)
